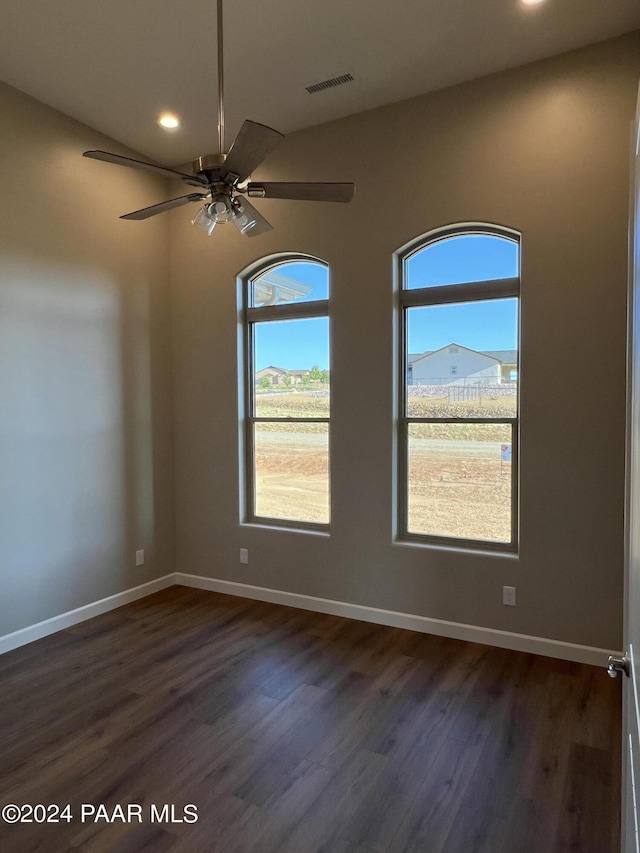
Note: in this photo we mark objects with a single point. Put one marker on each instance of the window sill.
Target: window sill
(459, 549)
(285, 528)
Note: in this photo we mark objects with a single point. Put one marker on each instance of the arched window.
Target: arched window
(287, 393)
(458, 388)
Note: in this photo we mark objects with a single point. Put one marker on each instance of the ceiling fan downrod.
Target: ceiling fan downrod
(220, 83)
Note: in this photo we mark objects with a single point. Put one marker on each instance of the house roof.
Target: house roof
(284, 370)
(506, 356)
(272, 367)
(459, 346)
(273, 287)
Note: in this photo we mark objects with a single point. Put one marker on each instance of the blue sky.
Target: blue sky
(470, 257)
(486, 325)
(296, 344)
(292, 344)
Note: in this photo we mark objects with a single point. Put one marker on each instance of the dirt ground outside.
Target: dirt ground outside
(459, 489)
(292, 473)
(459, 485)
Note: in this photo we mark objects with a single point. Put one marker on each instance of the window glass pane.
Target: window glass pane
(459, 480)
(463, 258)
(296, 281)
(291, 378)
(462, 360)
(291, 471)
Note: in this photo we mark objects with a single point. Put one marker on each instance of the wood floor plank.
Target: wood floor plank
(141, 839)
(223, 819)
(324, 824)
(283, 810)
(479, 823)
(589, 802)
(375, 823)
(298, 732)
(428, 820)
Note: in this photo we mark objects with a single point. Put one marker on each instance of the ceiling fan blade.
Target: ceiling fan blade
(146, 212)
(302, 192)
(119, 160)
(261, 226)
(253, 143)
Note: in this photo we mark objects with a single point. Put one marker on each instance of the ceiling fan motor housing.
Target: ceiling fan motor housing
(209, 165)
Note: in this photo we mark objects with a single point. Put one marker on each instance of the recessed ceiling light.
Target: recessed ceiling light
(169, 121)
(532, 2)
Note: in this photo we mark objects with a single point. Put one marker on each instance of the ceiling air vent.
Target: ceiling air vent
(321, 85)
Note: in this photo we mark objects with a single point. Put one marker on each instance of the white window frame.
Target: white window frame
(249, 317)
(446, 295)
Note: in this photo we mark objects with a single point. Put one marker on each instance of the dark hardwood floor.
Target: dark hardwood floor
(294, 732)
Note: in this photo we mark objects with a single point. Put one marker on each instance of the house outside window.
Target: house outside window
(286, 417)
(458, 405)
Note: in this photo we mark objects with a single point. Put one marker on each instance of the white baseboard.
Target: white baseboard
(80, 614)
(395, 619)
(392, 618)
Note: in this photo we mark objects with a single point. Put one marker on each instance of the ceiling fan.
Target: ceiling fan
(222, 177)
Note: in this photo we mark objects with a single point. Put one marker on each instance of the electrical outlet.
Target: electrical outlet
(509, 595)
(140, 558)
(244, 555)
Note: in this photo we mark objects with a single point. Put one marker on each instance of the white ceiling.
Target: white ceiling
(116, 64)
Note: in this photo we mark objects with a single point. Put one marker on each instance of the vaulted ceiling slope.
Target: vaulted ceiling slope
(116, 65)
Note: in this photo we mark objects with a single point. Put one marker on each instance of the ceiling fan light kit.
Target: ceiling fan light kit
(221, 211)
(223, 177)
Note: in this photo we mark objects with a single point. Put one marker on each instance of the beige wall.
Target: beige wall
(86, 455)
(86, 413)
(542, 149)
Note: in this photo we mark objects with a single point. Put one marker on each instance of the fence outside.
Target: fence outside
(460, 393)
